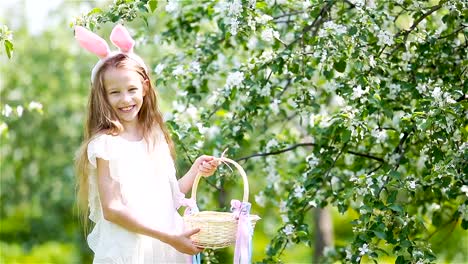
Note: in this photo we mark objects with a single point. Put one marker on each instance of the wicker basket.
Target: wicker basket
(217, 229)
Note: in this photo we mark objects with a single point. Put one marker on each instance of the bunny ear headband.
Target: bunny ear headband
(97, 45)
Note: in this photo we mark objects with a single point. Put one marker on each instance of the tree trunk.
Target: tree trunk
(323, 232)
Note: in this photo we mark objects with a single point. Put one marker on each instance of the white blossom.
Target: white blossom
(385, 38)
(393, 158)
(159, 68)
(288, 229)
(179, 70)
(195, 67)
(358, 3)
(380, 135)
(283, 207)
(464, 211)
(192, 112)
(332, 28)
(313, 203)
(406, 56)
(19, 110)
(236, 129)
(7, 110)
(260, 199)
(417, 254)
(299, 191)
(274, 106)
(234, 8)
(234, 79)
(263, 19)
(234, 26)
(213, 131)
(412, 185)
(267, 55)
(252, 43)
(422, 88)
(437, 93)
(372, 62)
(394, 90)
(358, 92)
(179, 107)
(312, 160)
(33, 105)
(434, 207)
(265, 90)
(172, 6)
(272, 143)
(464, 189)
(251, 23)
(349, 255)
(268, 34)
(306, 4)
(363, 250)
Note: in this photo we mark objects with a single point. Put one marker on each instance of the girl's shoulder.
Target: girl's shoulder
(101, 145)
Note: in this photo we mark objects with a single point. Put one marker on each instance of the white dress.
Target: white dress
(149, 187)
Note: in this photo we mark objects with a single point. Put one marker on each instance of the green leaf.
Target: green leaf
(395, 175)
(380, 235)
(340, 66)
(392, 197)
(436, 219)
(95, 10)
(301, 234)
(396, 208)
(400, 260)
(153, 4)
(328, 74)
(346, 135)
(464, 224)
(8, 48)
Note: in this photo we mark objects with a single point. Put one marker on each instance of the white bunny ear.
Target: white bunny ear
(122, 39)
(92, 42)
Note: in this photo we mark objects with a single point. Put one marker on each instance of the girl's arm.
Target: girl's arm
(206, 165)
(115, 210)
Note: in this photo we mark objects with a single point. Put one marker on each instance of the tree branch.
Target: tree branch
(304, 145)
(365, 156)
(453, 33)
(324, 9)
(406, 33)
(290, 14)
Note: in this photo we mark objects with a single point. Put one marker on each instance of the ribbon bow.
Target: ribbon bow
(243, 249)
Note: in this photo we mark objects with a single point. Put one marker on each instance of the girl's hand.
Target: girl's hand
(205, 165)
(183, 243)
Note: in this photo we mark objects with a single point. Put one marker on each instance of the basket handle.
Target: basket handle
(241, 171)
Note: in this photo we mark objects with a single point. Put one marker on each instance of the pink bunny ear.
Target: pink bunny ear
(122, 39)
(91, 42)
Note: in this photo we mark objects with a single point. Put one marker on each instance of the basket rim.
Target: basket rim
(199, 216)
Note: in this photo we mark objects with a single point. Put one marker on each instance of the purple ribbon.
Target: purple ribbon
(243, 249)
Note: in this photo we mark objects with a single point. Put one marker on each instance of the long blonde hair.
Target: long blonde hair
(102, 119)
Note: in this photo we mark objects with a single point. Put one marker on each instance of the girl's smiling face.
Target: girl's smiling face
(125, 90)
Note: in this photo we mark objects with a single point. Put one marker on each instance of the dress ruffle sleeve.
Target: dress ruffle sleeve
(98, 148)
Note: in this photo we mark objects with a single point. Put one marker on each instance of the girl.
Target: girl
(125, 166)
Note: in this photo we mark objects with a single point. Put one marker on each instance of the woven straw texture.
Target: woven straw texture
(217, 229)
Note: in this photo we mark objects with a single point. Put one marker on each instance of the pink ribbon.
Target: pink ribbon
(243, 249)
(189, 203)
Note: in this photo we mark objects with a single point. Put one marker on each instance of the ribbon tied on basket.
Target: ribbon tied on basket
(243, 249)
(189, 203)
